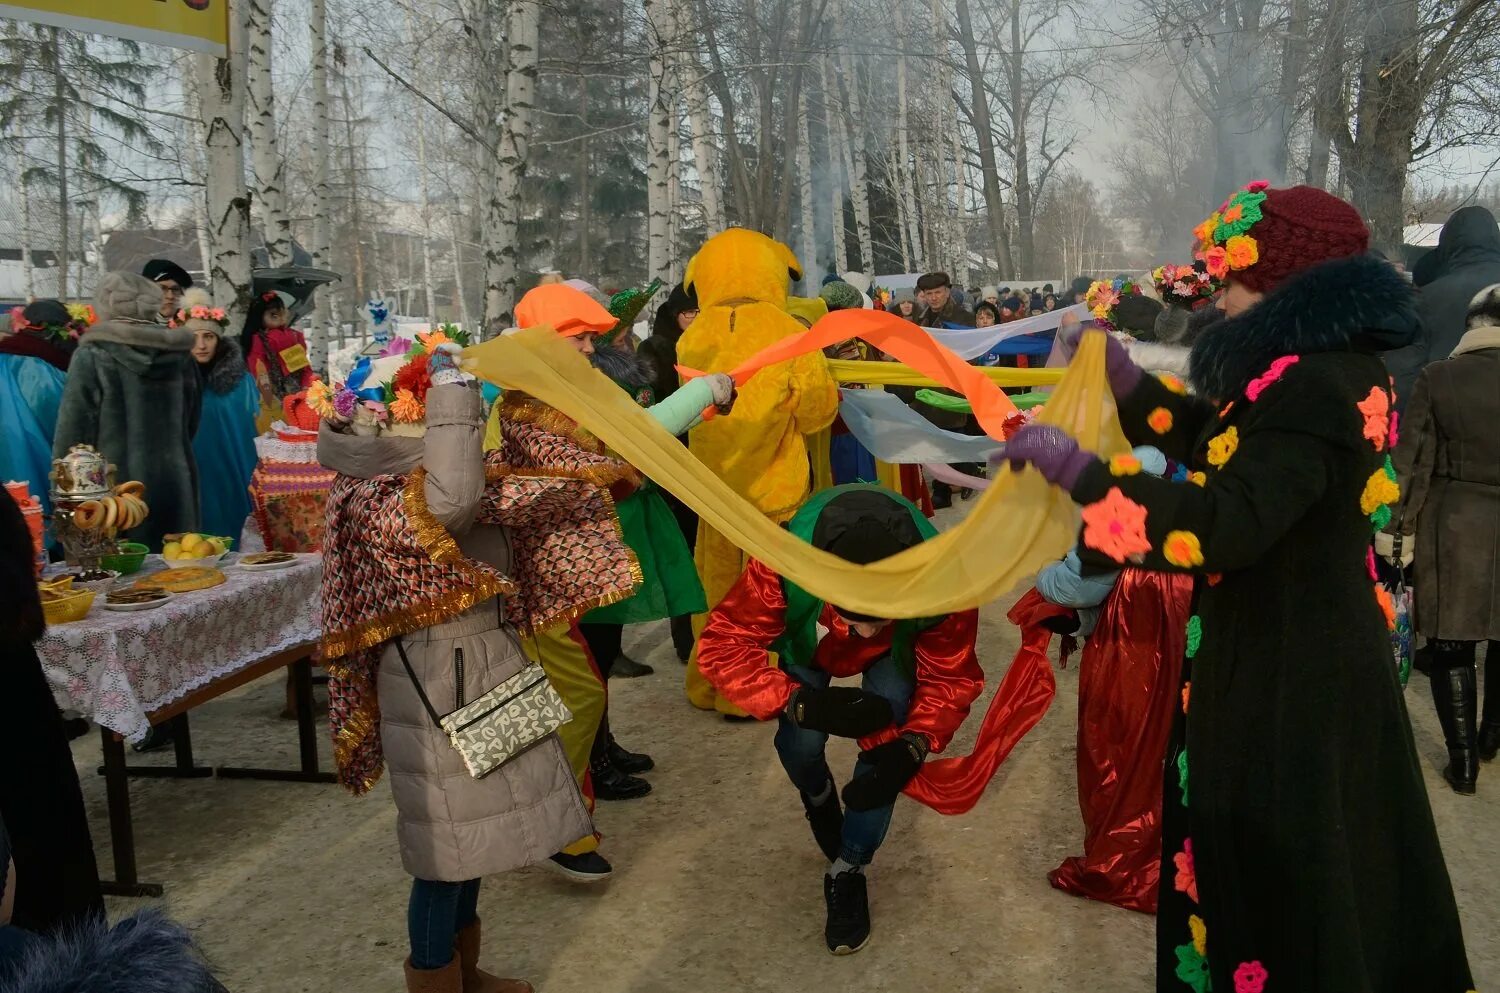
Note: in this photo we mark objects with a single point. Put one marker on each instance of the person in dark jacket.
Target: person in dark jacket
(1448, 462)
(1466, 260)
(133, 394)
(939, 309)
(57, 881)
(1297, 836)
(672, 318)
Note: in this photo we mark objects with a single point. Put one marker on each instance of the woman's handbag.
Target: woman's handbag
(504, 722)
(1400, 593)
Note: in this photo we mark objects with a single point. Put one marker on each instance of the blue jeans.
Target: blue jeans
(435, 915)
(802, 755)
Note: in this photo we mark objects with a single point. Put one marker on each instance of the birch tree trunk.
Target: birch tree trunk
(221, 89)
(700, 124)
(808, 256)
(424, 200)
(501, 254)
(458, 271)
(906, 174)
(60, 121)
(893, 169)
(994, 205)
(960, 202)
(859, 184)
(674, 185)
(835, 132)
(322, 231)
(28, 272)
(658, 207)
(270, 169)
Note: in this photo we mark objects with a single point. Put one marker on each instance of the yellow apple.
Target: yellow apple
(171, 550)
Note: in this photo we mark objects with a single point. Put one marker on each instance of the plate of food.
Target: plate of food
(183, 580)
(266, 561)
(190, 550)
(132, 599)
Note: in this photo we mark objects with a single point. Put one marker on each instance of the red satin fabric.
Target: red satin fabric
(1127, 691)
(914, 488)
(732, 655)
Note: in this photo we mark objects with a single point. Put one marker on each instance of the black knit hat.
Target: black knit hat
(159, 269)
(864, 526)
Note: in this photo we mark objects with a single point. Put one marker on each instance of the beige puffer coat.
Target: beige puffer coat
(451, 826)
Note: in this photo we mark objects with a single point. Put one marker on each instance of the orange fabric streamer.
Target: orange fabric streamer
(895, 336)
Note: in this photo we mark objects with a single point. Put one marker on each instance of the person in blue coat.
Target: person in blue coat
(224, 446)
(34, 360)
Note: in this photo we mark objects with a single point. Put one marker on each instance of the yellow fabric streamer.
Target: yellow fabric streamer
(896, 374)
(1018, 524)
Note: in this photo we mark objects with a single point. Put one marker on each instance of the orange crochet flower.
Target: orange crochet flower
(1124, 465)
(1160, 420)
(1173, 383)
(1198, 478)
(1376, 410)
(1116, 526)
(1204, 233)
(1387, 606)
(1182, 549)
(1234, 213)
(1216, 259)
(1187, 693)
(1224, 411)
(1241, 251)
(1221, 447)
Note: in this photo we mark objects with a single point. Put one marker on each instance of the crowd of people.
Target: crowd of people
(1246, 765)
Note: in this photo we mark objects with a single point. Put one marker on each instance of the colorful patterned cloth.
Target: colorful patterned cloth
(392, 568)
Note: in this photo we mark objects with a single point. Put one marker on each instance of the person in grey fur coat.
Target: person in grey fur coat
(133, 394)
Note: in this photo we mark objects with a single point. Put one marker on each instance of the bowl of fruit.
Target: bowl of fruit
(189, 550)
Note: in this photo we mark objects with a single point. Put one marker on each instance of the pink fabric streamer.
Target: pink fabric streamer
(953, 477)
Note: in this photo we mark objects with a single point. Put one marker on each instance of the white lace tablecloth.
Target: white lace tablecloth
(117, 667)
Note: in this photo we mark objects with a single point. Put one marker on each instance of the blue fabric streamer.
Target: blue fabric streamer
(895, 433)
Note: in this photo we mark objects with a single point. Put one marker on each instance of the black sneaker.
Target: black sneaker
(590, 867)
(848, 927)
(626, 667)
(827, 820)
(631, 763)
(611, 783)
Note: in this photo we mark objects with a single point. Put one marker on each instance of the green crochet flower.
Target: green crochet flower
(1240, 214)
(1182, 775)
(1194, 635)
(1381, 517)
(1390, 469)
(1192, 969)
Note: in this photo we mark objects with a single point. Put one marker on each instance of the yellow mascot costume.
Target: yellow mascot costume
(741, 279)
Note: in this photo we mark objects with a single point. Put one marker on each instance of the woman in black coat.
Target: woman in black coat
(1299, 851)
(57, 882)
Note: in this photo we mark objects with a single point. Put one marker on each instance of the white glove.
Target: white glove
(723, 387)
(1385, 547)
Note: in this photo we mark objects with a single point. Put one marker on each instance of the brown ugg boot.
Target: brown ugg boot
(475, 979)
(448, 979)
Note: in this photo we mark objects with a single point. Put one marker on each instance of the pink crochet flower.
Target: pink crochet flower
(1394, 436)
(1187, 876)
(1256, 186)
(1376, 410)
(1259, 383)
(1116, 526)
(1370, 564)
(1250, 977)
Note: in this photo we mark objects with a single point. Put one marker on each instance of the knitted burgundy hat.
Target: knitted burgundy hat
(1261, 236)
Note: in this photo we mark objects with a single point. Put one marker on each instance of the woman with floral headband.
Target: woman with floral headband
(1298, 848)
(34, 359)
(225, 442)
(276, 355)
(437, 559)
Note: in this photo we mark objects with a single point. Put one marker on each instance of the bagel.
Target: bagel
(111, 513)
(133, 488)
(88, 515)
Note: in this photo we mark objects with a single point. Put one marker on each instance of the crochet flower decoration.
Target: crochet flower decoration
(1194, 635)
(1250, 977)
(1387, 606)
(1273, 374)
(1104, 295)
(1124, 465)
(1182, 778)
(1116, 526)
(1159, 420)
(344, 402)
(1221, 447)
(1224, 242)
(1197, 478)
(1187, 694)
(1394, 436)
(1182, 549)
(1380, 489)
(1173, 383)
(1187, 879)
(1376, 410)
(1192, 968)
(1191, 286)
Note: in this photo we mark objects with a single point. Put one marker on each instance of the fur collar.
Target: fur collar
(1358, 304)
(1477, 340)
(629, 370)
(224, 373)
(140, 334)
(1156, 356)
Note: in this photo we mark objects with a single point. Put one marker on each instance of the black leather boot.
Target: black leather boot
(628, 762)
(612, 783)
(682, 636)
(1489, 730)
(1453, 695)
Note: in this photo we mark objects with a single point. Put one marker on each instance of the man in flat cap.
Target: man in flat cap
(173, 279)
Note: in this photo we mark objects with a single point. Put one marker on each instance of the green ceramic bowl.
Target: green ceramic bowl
(130, 558)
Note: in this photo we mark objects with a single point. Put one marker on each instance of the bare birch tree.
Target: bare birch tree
(221, 89)
(260, 108)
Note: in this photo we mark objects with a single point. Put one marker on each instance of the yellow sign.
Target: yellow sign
(197, 25)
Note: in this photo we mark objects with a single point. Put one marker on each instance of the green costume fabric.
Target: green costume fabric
(799, 640)
(670, 584)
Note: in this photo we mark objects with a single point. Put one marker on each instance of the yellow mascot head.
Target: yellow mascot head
(738, 264)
